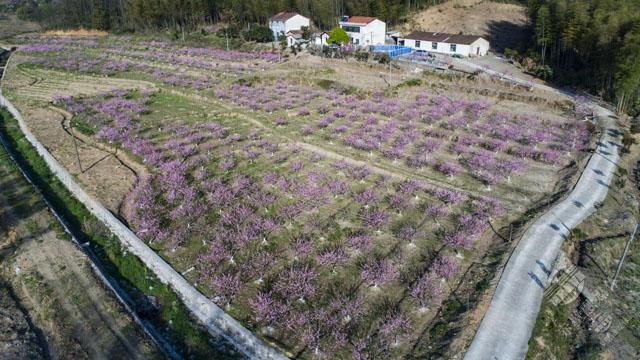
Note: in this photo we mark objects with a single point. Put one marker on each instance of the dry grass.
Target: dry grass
(502, 24)
(10, 26)
(76, 33)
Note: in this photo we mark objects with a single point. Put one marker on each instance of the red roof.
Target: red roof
(283, 16)
(360, 19)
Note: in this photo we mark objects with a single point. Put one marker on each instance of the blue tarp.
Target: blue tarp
(393, 50)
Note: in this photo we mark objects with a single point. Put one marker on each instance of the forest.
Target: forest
(591, 44)
(148, 14)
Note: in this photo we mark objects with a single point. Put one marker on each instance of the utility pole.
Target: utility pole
(624, 254)
(75, 146)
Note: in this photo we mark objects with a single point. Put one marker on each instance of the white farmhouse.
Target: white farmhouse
(364, 30)
(283, 22)
(464, 45)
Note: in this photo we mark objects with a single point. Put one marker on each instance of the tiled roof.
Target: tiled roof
(442, 37)
(360, 19)
(283, 16)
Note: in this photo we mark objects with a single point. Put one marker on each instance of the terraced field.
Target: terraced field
(333, 220)
(52, 304)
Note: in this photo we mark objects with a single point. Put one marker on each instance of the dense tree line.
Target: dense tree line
(593, 44)
(133, 14)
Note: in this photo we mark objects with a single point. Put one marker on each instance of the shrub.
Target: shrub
(361, 55)
(258, 33)
(382, 58)
(229, 31)
(338, 36)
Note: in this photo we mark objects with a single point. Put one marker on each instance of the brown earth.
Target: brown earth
(54, 307)
(10, 26)
(504, 25)
(103, 173)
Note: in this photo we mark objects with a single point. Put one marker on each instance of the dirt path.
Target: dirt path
(107, 176)
(53, 282)
(514, 200)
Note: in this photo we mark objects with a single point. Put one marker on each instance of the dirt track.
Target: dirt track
(66, 310)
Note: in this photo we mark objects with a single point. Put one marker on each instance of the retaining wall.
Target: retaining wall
(208, 313)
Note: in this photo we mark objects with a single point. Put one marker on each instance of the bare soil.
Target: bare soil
(504, 25)
(10, 26)
(103, 174)
(57, 308)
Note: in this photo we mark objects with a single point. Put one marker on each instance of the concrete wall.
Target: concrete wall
(480, 46)
(282, 27)
(374, 33)
(208, 313)
(278, 28)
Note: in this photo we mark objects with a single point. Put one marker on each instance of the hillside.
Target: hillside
(10, 25)
(504, 25)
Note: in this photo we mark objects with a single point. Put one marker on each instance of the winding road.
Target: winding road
(508, 323)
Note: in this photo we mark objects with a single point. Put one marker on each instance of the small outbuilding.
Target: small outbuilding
(283, 22)
(320, 39)
(294, 37)
(463, 45)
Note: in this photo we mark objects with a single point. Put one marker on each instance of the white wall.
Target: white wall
(280, 27)
(296, 23)
(445, 48)
(321, 40)
(479, 47)
(374, 33)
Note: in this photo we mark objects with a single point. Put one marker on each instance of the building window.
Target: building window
(356, 41)
(353, 29)
(452, 47)
(434, 46)
(401, 42)
(417, 43)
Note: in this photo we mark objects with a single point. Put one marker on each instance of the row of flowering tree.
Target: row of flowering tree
(304, 248)
(451, 136)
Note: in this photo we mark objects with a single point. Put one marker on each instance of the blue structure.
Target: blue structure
(392, 50)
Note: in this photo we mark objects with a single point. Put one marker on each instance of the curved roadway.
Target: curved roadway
(508, 323)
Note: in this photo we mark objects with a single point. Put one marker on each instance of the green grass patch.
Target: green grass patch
(553, 333)
(82, 126)
(172, 318)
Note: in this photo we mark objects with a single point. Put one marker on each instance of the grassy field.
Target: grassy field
(162, 307)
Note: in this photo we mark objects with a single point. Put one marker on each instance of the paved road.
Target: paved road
(507, 326)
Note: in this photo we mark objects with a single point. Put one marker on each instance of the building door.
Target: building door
(478, 51)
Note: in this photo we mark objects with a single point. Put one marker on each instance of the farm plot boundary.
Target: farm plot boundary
(209, 314)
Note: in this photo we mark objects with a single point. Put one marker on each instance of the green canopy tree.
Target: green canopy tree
(338, 36)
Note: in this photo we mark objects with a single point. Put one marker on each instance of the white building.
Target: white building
(320, 39)
(464, 45)
(283, 22)
(364, 30)
(294, 37)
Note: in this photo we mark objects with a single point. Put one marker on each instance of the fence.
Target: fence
(208, 313)
(392, 50)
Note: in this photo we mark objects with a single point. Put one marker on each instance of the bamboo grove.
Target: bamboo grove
(593, 44)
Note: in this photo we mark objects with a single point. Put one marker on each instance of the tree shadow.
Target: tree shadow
(505, 34)
(543, 267)
(535, 278)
